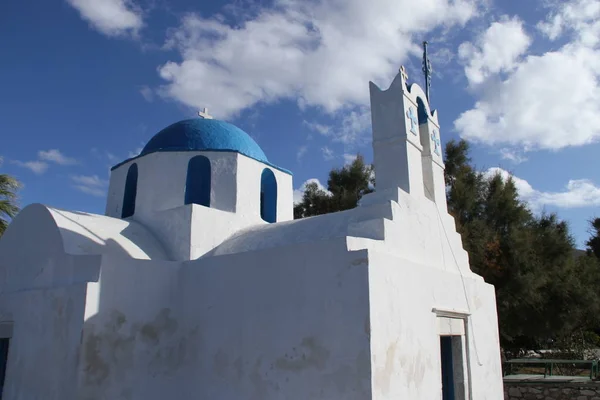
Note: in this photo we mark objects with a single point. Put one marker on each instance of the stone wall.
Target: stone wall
(551, 391)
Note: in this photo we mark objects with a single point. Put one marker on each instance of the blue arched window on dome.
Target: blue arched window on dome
(268, 196)
(198, 180)
(130, 194)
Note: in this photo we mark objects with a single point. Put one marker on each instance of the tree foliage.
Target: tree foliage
(9, 187)
(345, 187)
(543, 292)
(593, 243)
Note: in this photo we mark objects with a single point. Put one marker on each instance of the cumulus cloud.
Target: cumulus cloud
(298, 193)
(349, 158)
(37, 167)
(147, 93)
(577, 193)
(497, 50)
(352, 129)
(581, 18)
(548, 101)
(90, 184)
(327, 153)
(304, 51)
(55, 156)
(301, 151)
(110, 17)
(512, 155)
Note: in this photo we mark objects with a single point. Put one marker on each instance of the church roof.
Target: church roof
(200, 134)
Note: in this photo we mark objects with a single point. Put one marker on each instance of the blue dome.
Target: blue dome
(199, 134)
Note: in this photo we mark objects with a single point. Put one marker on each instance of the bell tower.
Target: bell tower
(407, 147)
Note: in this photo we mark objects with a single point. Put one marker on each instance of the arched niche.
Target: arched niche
(422, 113)
(268, 196)
(198, 181)
(130, 193)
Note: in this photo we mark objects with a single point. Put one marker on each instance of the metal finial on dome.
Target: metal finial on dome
(204, 114)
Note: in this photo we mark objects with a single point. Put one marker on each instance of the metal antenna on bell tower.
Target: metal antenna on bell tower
(427, 71)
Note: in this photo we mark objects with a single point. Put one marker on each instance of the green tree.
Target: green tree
(593, 243)
(345, 186)
(542, 291)
(8, 200)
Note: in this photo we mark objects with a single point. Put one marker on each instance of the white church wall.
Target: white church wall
(210, 227)
(132, 344)
(172, 227)
(162, 178)
(405, 340)
(396, 144)
(43, 348)
(240, 326)
(287, 322)
(249, 184)
(86, 233)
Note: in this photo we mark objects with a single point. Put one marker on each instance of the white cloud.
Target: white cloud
(55, 156)
(301, 152)
(319, 53)
(90, 184)
(581, 17)
(577, 193)
(547, 101)
(497, 50)
(319, 128)
(298, 193)
(352, 129)
(513, 155)
(110, 17)
(37, 167)
(147, 93)
(349, 158)
(327, 153)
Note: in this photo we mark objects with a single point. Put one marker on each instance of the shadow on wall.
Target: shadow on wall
(133, 345)
(140, 241)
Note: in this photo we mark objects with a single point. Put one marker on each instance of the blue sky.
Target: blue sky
(85, 83)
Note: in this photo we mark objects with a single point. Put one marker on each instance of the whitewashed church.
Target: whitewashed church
(198, 284)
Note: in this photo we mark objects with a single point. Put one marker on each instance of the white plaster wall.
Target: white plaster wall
(396, 149)
(410, 228)
(161, 182)
(210, 227)
(285, 323)
(405, 347)
(173, 228)
(162, 177)
(267, 325)
(132, 346)
(248, 183)
(43, 350)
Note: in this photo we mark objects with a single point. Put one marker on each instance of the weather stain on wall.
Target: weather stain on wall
(113, 346)
(383, 375)
(352, 378)
(311, 355)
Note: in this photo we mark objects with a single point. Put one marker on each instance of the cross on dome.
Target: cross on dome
(204, 114)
